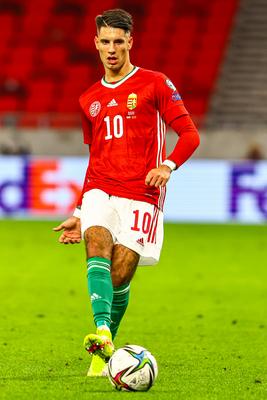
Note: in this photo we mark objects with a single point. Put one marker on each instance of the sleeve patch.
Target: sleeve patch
(176, 96)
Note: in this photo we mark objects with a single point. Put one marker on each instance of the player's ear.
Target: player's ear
(130, 43)
(96, 42)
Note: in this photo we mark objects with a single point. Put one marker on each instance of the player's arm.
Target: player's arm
(71, 231)
(174, 113)
(71, 227)
(158, 176)
(186, 145)
(188, 140)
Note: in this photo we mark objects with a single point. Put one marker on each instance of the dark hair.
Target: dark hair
(115, 18)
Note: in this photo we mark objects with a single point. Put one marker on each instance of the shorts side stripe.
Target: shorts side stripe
(162, 197)
(154, 237)
(153, 225)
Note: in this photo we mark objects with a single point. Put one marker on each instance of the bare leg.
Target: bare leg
(98, 242)
(124, 263)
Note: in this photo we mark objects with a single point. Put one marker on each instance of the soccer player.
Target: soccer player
(119, 213)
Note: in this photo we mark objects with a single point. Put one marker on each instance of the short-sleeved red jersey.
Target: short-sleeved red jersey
(124, 124)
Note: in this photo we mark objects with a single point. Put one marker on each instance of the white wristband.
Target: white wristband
(77, 213)
(170, 164)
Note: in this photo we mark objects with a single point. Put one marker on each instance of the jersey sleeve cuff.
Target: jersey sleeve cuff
(170, 164)
(77, 213)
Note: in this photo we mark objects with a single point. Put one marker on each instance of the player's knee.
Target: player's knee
(96, 244)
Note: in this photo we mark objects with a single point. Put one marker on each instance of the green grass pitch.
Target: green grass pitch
(202, 312)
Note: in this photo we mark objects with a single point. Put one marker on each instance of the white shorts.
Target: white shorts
(134, 224)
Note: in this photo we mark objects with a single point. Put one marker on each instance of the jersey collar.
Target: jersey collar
(121, 81)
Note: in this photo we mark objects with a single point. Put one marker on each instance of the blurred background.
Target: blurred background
(215, 51)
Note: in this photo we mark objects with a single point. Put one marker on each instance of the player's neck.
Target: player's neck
(114, 76)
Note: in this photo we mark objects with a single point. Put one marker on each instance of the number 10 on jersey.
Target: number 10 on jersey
(114, 127)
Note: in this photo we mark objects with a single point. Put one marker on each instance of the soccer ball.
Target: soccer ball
(132, 368)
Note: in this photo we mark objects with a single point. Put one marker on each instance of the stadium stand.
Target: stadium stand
(48, 57)
(241, 95)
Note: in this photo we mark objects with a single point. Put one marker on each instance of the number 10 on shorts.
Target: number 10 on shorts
(142, 222)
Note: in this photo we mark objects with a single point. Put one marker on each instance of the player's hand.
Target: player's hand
(71, 231)
(158, 176)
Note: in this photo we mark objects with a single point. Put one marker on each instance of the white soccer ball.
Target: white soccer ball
(132, 368)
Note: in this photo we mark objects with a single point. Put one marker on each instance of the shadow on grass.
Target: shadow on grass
(40, 378)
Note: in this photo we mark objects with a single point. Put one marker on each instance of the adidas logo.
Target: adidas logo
(95, 296)
(140, 241)
(112, 103)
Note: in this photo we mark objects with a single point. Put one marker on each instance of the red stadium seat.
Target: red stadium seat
(96, 8)
(54, 57)
(79, 73)
(54, 53)
(23, 55)
(39, 104)
(34, 6)
(4, 55)
(9, 103)
(8, 26)
(33, 28)
(41, 95)
(45, 86)
(66, 105)
(20, 71)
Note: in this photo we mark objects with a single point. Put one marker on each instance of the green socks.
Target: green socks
(109, 304)
(100, 289)
(119, 305)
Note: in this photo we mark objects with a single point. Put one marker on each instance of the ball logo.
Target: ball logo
(95, 108)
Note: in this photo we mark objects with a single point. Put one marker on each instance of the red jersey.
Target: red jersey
(124, 124)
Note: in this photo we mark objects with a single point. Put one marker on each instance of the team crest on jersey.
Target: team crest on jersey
(132, 101)
(170, 84)
(94, 108)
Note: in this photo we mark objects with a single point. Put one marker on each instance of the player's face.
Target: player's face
(113, 45)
